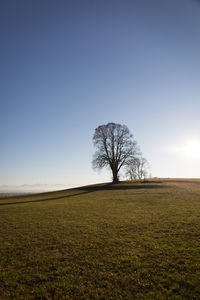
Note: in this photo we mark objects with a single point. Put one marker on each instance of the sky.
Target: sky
(67, 67)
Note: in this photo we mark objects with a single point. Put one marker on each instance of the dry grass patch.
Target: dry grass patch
(128, 241)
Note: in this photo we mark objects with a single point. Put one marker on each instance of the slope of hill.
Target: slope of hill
(128, 241)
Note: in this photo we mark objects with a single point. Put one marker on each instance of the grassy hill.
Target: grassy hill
(128, 241)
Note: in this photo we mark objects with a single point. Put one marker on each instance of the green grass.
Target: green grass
(127, 241)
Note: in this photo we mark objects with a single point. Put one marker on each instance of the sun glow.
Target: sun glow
(192, 149)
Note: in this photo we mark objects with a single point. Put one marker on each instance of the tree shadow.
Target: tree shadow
(46, 199)
(90, 189)
(111, 186)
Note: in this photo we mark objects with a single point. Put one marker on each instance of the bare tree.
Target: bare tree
(115, 148)
(137, 168)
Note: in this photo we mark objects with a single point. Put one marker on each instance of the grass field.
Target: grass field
(126, 241)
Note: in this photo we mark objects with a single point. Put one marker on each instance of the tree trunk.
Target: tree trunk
(115, 176)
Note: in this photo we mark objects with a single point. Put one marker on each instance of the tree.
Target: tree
(137, 168)
(115, 148)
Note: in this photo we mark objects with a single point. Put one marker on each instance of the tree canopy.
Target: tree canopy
(137, 168)
(115, 148)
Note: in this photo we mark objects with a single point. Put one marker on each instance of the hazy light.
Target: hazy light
(190, 149)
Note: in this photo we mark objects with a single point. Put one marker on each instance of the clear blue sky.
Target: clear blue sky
(68, 66)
